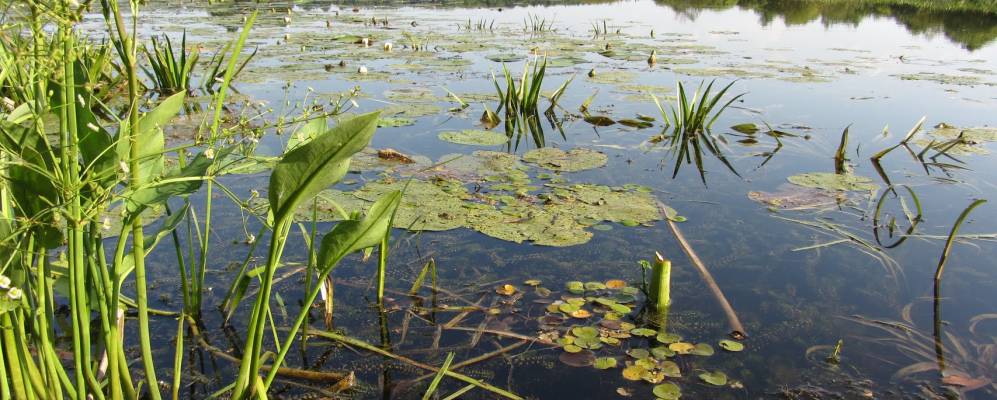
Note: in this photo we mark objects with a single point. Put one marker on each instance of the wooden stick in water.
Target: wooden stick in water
(737, 330)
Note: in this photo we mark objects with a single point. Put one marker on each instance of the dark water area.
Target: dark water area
(803, 269)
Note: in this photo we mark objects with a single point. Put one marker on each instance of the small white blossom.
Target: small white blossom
(14, 293)
(209, 154)
(92, 127)
(362, 70)
(4, 282)
(124, 166)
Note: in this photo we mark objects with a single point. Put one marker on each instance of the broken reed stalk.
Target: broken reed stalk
(661, 283)
(471, 361)
(287, 372)
(737, 330)
(374, 349)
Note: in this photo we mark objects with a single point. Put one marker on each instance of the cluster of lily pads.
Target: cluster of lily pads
(501, 195)
(619, 339)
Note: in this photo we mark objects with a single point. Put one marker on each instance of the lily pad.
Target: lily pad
(577, 159)
(702, 349)
(583, 358)
(731, 345)
(394, 122)
(474, 137)
(604, 363)
(667, 391)
(717, 378)
(585, 332)
(831, 181)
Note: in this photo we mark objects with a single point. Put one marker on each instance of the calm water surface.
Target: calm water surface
(809, 71)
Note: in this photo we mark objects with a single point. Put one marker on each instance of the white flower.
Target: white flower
(387, 46)
(14, 293)
(124, 166)
(106, 224)
(92, 127)
(4, 282)
(362, 70)
(366, 42)
(209, 154)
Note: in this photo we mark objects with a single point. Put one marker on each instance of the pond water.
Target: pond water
(802, 268)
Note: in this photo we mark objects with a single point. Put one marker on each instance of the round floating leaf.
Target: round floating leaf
(582, 358)
(667, 391)
(585, 332)
(581, 314)
(830, 181)
(588, 342)
(638, 353)
(576, 287)
(542, 291)
(668, 338)
(616, 284)
(661, 352)
(670, 369)
(605, 363)
(567, 308)
(577, 159)
(594, 286)
(474, 137)
(506, 290)
(619, 308)
(702, 349)
(645, 332)
(717, 378)
(571, 348)
(633, 373)
(682, 347)
(731, 345)
(532, 282)
(394, 122)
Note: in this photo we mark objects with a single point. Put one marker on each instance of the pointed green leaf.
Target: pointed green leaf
(314, 166)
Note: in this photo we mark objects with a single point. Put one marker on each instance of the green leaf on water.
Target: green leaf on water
(474, 137)
(717, 378)
(575, 287)
(731, 345)
(702, 349)
(572, 348)
(577, 159)
(638, 353)
(667, 391)
(748, 128)
(605, 363)
(585, 332)
(831, 181)
(668, 338)
(394, 122)
(645, 332)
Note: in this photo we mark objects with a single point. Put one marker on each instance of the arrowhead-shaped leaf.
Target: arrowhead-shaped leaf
(149, 136)
(353, 235)
(314, 166)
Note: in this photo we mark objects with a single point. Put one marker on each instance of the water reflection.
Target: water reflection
(967, 24)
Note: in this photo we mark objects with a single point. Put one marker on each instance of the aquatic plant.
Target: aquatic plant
(169, 71)
(537, 24)
(520, 102)
(690, 120)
